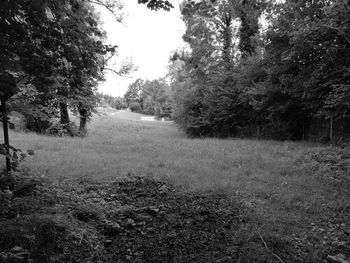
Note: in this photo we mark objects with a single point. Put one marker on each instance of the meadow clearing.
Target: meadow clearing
(295, 189)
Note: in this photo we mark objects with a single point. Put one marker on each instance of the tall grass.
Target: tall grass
(120, 143)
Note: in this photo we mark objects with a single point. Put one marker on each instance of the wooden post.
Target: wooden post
(6, 135)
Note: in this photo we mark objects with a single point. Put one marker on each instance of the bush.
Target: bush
(118, 105)
(135, 107)
(18, 121)
(148, 111)
(36, 124)
(58, 129)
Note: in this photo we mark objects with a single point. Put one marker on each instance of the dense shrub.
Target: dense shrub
(148, 111)
(153, 97)
(37, 124)
(58, 129)
(18, 121)
(135, 107)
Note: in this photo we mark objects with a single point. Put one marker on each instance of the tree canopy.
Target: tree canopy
(149, 97)
(285, 81)
(57, 54)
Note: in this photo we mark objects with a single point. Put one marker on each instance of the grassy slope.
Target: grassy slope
(265, 173)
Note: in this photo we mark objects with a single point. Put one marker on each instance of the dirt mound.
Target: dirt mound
(157, 224)
(134, 220)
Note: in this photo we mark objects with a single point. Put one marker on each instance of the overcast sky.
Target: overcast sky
(148, 37)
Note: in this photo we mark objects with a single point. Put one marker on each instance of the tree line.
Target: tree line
(57, 54)
(289, 79)
(104, 100)
(54, 54)
(151, 97)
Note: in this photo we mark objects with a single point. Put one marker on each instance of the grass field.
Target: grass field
(290, 193)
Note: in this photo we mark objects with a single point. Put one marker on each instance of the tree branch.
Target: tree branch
(270, 250)
(109, 8)
(118, 73)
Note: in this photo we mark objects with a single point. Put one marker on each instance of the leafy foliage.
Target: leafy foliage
(60, 130)
(135, 107)
(59, 57)
(279, 83)
(133, 94)
(55, 52)
(119, 103)
(149, 97)
(157, 4)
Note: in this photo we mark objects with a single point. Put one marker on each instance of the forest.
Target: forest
(264, 69)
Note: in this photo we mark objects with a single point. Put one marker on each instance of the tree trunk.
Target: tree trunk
(249, 27)
(331, 129)
(64, 116)
(6, 135)
(227, 38)
(83, 118)
(83, 121)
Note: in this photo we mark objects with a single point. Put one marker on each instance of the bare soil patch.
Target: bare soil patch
(137, 219)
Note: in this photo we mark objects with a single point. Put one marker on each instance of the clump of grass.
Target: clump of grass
(39, 226)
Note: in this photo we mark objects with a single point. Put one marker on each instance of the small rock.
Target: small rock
(130, 222)
(17, 249)
(7, 194)
(112, 229)
(163, 189)
(150, 229)
(152, 210)
(108, 242)
(143, 223)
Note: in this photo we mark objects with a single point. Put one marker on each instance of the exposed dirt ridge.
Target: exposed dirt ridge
(136, 219)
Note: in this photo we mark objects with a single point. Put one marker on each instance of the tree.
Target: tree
(119, 103)
(134, 91)
(149, 97)
(306, 55)
(62, 47)
(157, 4)
(249, 12)
(155, 98)
(56, 50)
(221, 36)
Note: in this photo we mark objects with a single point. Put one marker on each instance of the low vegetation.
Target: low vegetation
(137, 191)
